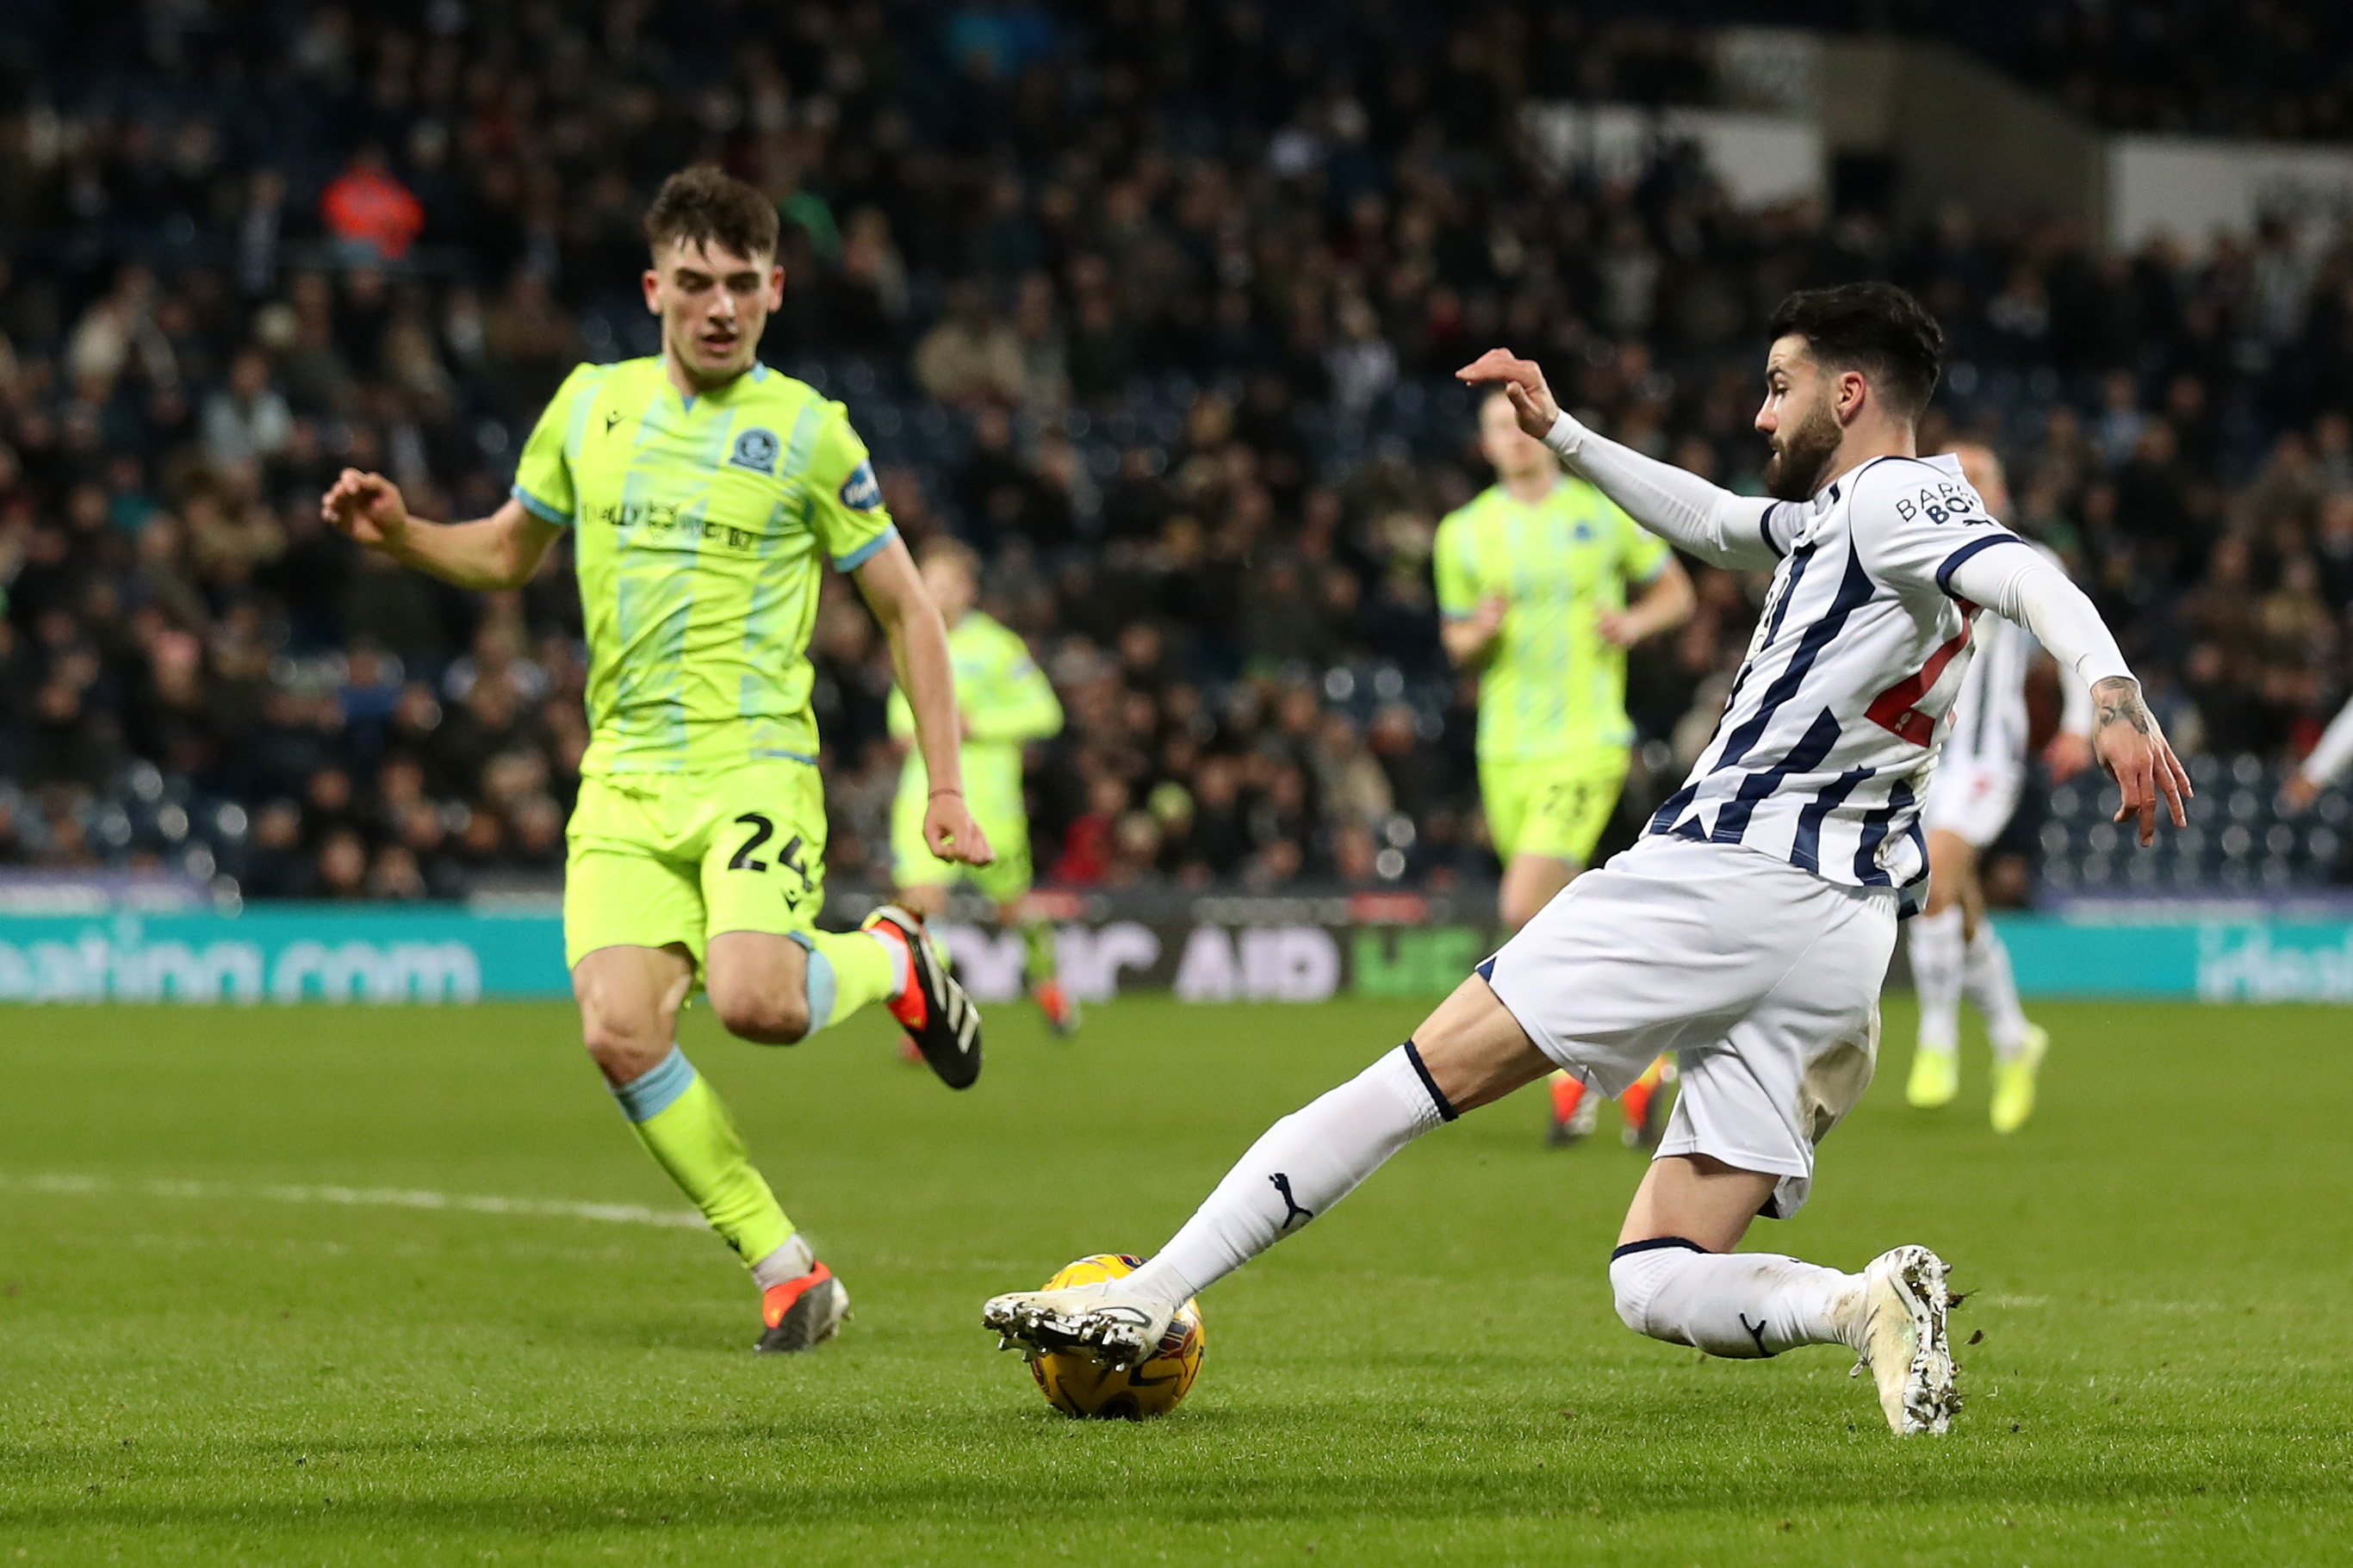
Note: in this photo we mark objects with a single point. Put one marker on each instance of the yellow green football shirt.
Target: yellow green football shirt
(1554, 684)
(701, 529)
(1007, 702)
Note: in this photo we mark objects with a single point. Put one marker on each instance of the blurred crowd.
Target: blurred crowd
(2280, 68)
(1153, 302)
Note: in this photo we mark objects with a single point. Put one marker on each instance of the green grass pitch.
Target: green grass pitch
(209, 1354)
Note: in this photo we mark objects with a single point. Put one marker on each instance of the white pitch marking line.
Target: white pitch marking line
(372, 1197)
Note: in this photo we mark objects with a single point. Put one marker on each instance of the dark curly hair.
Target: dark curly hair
(704, 206)
(1876, 328)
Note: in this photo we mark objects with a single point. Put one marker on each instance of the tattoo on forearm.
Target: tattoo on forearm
(2117, 701)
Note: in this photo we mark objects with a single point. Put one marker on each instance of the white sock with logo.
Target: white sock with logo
(1993, 990)
(1935, 945)
(1301, 1167)
(1742, 1305)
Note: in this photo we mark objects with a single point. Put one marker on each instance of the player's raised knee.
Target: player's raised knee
(766, 1018)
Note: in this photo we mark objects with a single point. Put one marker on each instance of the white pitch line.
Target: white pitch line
(370, 1197)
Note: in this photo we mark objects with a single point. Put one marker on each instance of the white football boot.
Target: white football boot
(1898, 1331)
(1099, 1321)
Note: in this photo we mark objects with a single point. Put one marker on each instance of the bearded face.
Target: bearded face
(1802, 449)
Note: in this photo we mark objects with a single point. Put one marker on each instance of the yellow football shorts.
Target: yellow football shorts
(1002, 880)
(1552, 807)
(657, 858)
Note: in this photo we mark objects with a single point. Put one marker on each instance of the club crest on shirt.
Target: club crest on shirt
(860, 492)
(755, 450)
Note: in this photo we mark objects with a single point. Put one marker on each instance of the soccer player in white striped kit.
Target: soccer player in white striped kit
(1749, 930)
(1980, 773)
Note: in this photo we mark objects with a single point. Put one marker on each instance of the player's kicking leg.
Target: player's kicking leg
(1674, 1277)
(629, 997)
(1759, 1044)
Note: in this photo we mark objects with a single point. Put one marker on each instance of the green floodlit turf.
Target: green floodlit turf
(196, 1367)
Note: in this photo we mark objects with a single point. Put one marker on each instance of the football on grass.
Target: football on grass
(1077, 1386)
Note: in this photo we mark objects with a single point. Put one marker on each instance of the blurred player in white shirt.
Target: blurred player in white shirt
(2318, 770)
(1955, 950)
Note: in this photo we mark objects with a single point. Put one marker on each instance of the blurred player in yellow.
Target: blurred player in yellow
(1534, 581)
(706, 495)
(1007, 702)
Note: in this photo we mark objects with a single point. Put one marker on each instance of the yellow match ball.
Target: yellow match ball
(1077, 1386)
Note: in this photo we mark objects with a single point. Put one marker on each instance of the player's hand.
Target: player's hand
(2067, 756)
(366, 507)
(1619, 629)
(1523, 383)
(1488, 618)
(953, 835)
(2299, 792)
(2134, 750)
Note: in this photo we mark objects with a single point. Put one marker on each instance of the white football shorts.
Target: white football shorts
(1975, 800)
(1762, 978)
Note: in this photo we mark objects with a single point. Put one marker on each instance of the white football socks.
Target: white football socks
(1936, 948)
(1993, 991)
(1301, 1167)
(788, 1263)
(1743, 1305)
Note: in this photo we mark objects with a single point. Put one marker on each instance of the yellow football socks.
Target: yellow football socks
(846, 970)
(1037, 952)
(683, 1125)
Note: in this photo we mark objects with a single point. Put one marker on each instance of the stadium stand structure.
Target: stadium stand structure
(1153, 304)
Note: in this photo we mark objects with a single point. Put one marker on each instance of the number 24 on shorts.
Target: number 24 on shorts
(788, 858)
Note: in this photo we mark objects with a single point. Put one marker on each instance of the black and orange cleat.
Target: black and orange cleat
(1646, 1103)
(1062, 1009)
(1573, 1112)
(803, 1312)
(934, 1009)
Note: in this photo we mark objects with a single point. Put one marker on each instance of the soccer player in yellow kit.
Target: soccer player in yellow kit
(1007, 702)
(1533, 585)
(706, 494)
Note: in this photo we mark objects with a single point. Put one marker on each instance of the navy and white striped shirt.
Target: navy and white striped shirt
(1825, 749)
(1989, 718)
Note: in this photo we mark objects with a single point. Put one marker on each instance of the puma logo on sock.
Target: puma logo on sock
(1290, 1205)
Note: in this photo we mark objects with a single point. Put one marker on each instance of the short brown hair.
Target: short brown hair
(953, 551)
(704, 206)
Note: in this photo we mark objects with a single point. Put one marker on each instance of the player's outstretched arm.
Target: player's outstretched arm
(1720, 528)
(501, 550)
(919, 653)
(2019, 585)
(2137, 755)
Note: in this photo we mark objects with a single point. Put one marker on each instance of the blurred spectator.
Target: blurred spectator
(370, 210)
(1185, 381)
(246, 421)
(971, 356)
